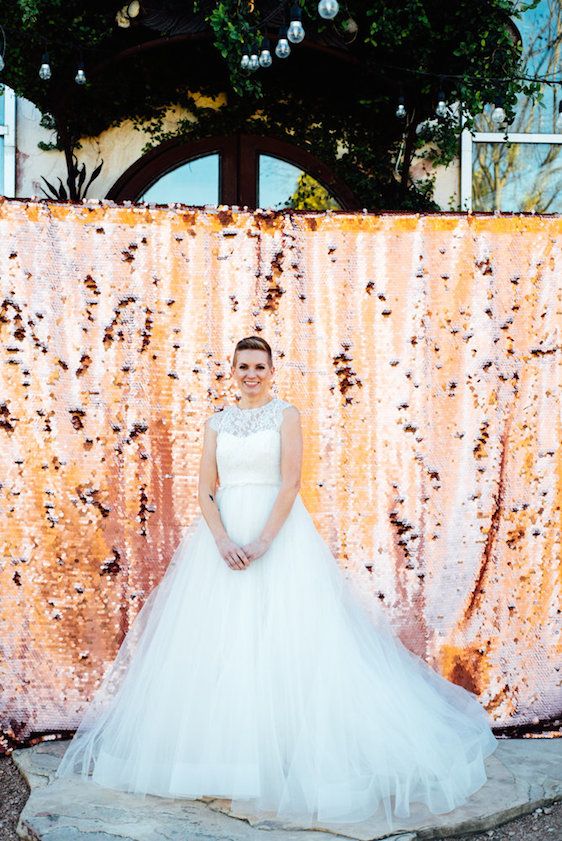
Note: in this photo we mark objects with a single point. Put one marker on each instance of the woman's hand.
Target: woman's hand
(234, 555)
(257, 548)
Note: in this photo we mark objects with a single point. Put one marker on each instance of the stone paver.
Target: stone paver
(523, 775)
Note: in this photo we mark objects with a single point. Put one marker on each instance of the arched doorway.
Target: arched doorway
(243, 169)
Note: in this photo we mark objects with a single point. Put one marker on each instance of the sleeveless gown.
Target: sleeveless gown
(277, 686)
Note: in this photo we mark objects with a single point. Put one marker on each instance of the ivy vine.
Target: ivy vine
(340, 106)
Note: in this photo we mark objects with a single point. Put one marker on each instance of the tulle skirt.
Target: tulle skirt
(277, 687)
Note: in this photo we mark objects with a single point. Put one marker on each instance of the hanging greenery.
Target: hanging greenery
(338, 100)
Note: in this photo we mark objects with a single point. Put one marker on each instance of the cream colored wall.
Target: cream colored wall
(121, 146)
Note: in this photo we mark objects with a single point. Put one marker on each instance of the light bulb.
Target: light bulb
(498, 115)
(245, 61)
(265, 59)
(122, 19)
(283, 49)
(265, 53)
(2, 63)
(295, 32)
(133, 9)
(80, 77)
(559, 117)
(328, 9)
(254, 62)
(400, 108)
(441, 109)
(45, 69)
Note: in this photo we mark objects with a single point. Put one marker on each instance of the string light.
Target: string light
(265, 54)
(283, 48)
(45, 69)
(441, 110)
(295, 32)
(401, 108)
(254, 60)
(80, 77)
(498, 114)
(328, 9)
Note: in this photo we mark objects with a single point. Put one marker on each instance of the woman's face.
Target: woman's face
(252, 372)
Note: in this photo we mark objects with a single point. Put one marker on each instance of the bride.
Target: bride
(255, 672)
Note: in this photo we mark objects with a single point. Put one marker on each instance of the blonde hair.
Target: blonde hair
(253, 343)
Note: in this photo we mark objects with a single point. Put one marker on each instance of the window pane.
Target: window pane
(517, 177)
(540, 31)
(283, 185)
(195, 182)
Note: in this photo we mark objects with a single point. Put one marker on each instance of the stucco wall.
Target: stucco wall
(121, 146)
(423, 353)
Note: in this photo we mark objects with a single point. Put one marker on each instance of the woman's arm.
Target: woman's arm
(291, 463)
(234, 555)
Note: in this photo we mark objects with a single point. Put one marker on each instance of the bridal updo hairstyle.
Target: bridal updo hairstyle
(253, 343)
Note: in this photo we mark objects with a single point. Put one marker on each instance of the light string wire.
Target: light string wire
(81, 48)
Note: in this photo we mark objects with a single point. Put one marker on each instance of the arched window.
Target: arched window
(244, 170)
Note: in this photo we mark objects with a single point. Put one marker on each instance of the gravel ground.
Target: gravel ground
(542, 825)
(14, 791)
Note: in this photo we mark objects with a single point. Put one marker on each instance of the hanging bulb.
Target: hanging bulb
(2, 62)
(245, 61)
(254, 60)
(328, 9)
(498, 114)
(45, 69)
(400, 108)
(295, 32)
(283, 49)
(559, 117)
(80, 77)
(265, 54)
(441, 109)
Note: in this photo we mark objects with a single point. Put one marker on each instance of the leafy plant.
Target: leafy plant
(347, 98)
(76, 184)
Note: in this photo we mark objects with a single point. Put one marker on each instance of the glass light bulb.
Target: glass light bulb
(441, 109)
(254, 62)
(45, 71)
(282, 50)
(328, 9)
(2, 63)
(498, 115)
(400, 111)
(295, 32)
(265, 59)
(245, 61)
(80, 77)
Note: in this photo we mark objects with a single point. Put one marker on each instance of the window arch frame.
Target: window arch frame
(238, 168)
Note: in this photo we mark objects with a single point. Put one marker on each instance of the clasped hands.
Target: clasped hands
(240, 557)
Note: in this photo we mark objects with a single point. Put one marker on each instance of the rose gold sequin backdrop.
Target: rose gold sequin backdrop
(423, 353)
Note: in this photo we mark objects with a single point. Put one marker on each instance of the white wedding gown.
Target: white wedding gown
(276, 685)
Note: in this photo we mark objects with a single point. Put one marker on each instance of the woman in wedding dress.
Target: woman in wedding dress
(254, 670)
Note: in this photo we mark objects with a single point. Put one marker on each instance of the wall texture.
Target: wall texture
(424, 354)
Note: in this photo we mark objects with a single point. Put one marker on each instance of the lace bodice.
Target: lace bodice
(249, 443)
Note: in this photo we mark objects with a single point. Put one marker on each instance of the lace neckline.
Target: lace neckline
(254, 408)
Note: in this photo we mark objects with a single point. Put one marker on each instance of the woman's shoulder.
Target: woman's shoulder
(287, 405)
(214, 421)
